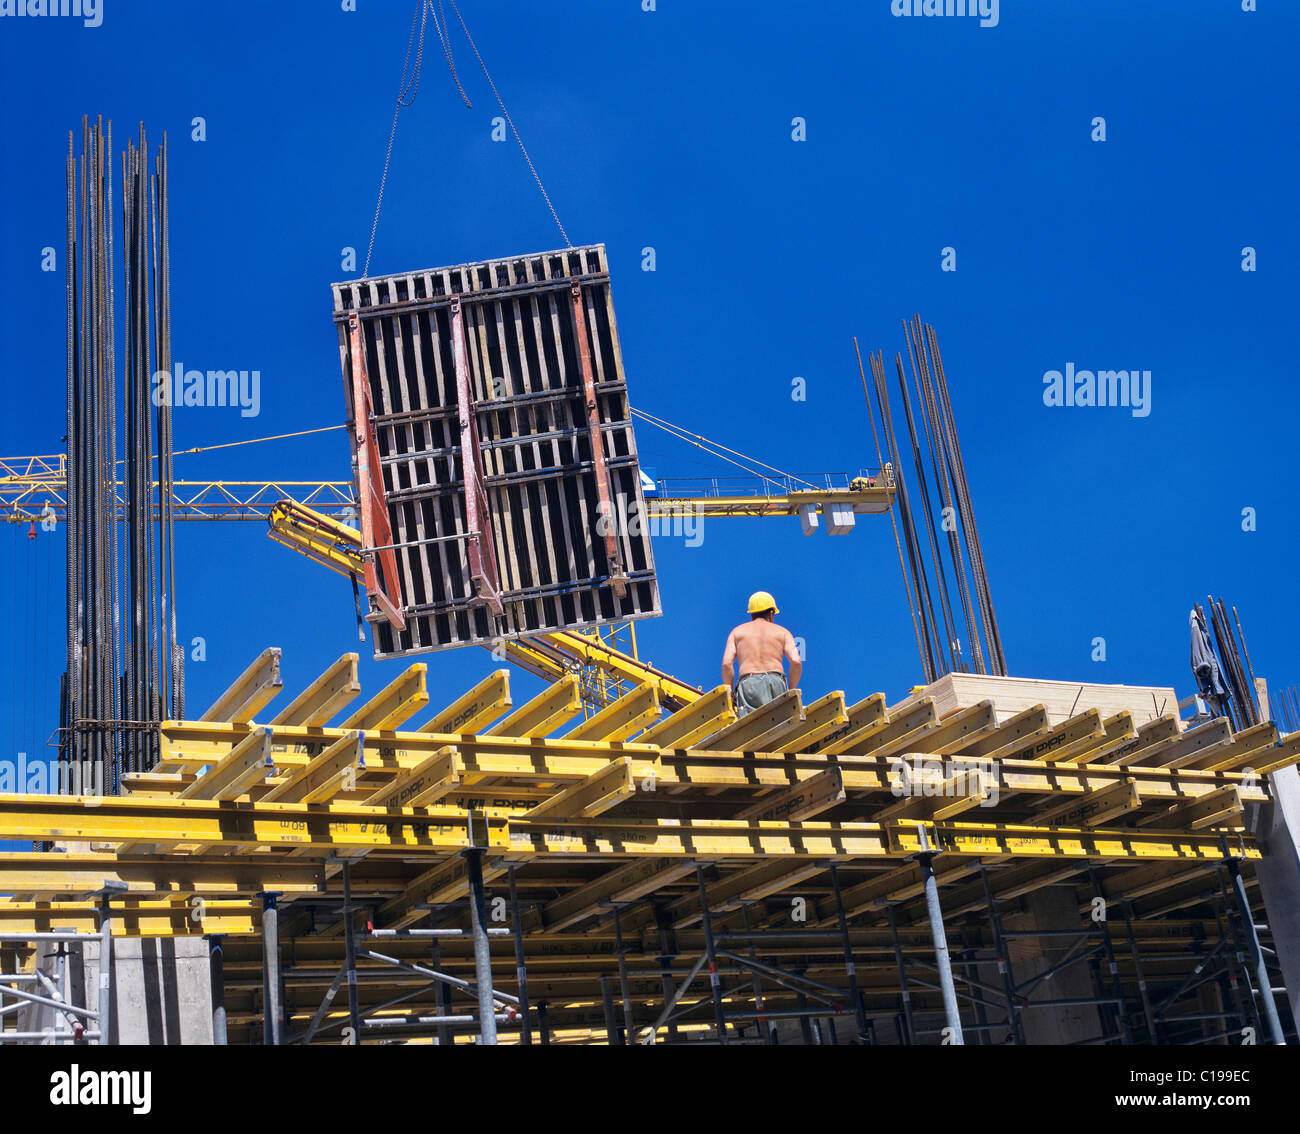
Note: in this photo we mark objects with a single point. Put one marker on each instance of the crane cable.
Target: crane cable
(511, 122)
(720, 451)
(409, 87)
(406, 92)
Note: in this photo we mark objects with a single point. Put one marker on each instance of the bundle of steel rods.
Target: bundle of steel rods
(1284, 707)
(1243, 704)
(124, 664)
(942, 493)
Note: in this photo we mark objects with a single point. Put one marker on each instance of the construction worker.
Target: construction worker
(760, 647)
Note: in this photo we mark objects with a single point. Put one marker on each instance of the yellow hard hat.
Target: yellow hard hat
(760, 602)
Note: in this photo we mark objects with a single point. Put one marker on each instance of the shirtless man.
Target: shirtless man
(760, 646)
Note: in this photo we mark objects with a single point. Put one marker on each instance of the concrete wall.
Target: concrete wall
(161, 989)
(1277, 826)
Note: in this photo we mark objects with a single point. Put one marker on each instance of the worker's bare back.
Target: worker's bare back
(761, 646)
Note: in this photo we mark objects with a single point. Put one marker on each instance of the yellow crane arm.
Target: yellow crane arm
(551, 656)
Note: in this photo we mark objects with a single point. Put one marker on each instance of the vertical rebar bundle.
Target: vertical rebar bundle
(938, 636)
(124, 665)
(1243, 706)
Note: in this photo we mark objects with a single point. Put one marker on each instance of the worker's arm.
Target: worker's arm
(729, 661)
(796, 662)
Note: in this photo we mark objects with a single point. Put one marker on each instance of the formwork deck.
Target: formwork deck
(614, 828)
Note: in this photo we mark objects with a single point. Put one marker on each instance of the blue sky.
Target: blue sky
(672, 129)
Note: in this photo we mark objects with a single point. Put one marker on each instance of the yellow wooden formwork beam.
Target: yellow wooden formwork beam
(328, 826)
(1243, 742)
(471, 711)
(1093, 808)
(192, 917)
(334, 770)
(1073, 741)
(704, 717)
(545, 713)
(245, 765)
(625, 883)
(1010, 735)
(1150, 737)
(953, 732)
(87, 872)
(1266, 761)
(1221, 808)
(1020, 840)
(395, 704)
(324, 697)
(749, 732)
(193, 744)
(1262, 759)
(867, 714)
(598, 792)
(866, 740)
(428, 782)
(802, 800)
(251, 691)
(825, 716)
(621, 718)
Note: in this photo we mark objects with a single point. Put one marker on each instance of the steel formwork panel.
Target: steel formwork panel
(549, 449)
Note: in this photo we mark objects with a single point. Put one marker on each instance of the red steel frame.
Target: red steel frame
(617, 573)
(376, 533)
(478, 519)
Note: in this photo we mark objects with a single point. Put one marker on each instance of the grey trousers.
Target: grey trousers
(755, 690)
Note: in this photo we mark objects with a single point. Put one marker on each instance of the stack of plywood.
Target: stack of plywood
(1061, 699)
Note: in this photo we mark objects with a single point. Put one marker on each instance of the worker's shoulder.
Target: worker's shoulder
(741, 628)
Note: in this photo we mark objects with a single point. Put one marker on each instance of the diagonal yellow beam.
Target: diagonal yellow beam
(395, 704)
(544, 713)
(471, 711)
(621, 718)
(323, 698)
(250, 692)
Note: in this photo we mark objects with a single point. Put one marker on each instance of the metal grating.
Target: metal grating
(532, 343)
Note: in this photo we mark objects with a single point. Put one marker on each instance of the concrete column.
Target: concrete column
(1277, 827)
